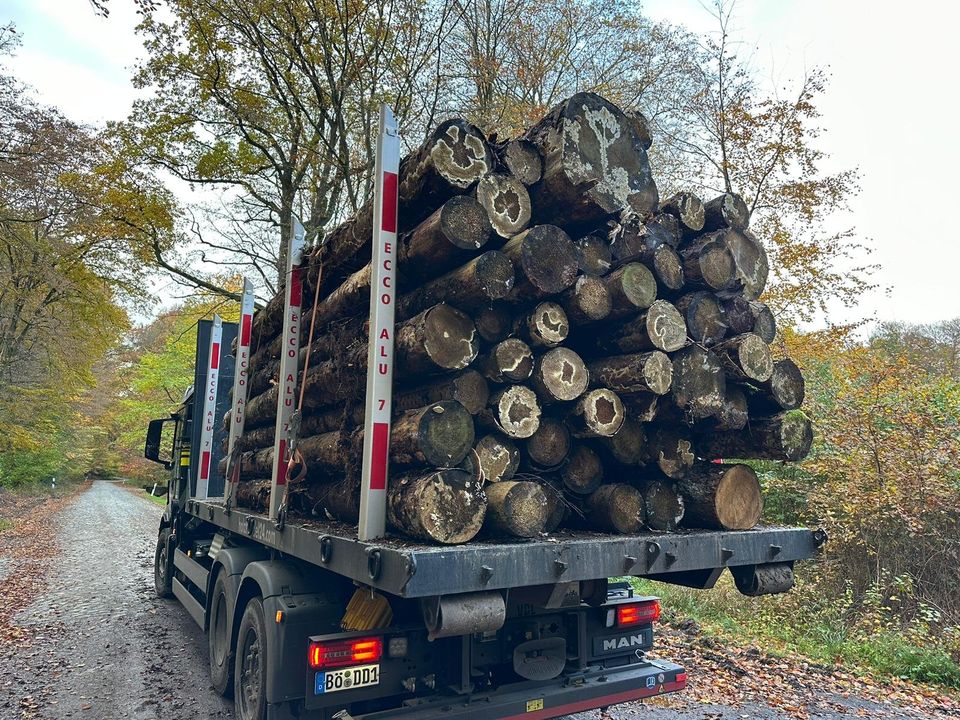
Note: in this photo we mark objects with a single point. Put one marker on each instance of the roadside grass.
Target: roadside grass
(5, 524)
(790, 624)
(156, 498)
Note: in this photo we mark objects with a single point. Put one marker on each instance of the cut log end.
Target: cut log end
(450, 338)
(506, 201)
(722, 497)
(787, 384)
(517, 508)
(516, 411)
(751, 265)
(747, 357)
(547, 258)
(547, 325)
(460, 154)
(617, 507)
(668, 268)
(445, 433)
(464, 223)
(446, 506)
(705, 318)
(494, 323)
(725, 211)
(549, 445)
(495, 458)
(687, 208)
(664, 505)
(632, 287)
(629, 444)
(599, 413)
(587, 301)
(583, 471)
(522, 159)
(508, 361)
(594, 256)
(665, 327)
(560, 375)
(673, 452)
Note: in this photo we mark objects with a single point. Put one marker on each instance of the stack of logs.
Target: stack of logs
(570, 350)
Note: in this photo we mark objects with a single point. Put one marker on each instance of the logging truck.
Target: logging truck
(529, 629)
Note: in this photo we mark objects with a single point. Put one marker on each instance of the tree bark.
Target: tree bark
(659, 327)
(786, 436)
(469, 388)
(446, 239)
(688, 209)
(522, 159)
(664, 504)
(443, 506)
(703, 313)
(512, 410)
(722, 497)
(510, 361)
(546, 326)
(598, 413)
(632, 288)
(593, 254)
(616, 507)
(556, 503)
(637, 373)
(518, 509)
(745, 358)
(594, 164)
(583, 471)
(699, 383)
(733, 415)
(587, 301)
(483, 279)
(506, 201)
(559, 375)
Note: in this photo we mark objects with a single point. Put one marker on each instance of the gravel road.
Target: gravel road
(104, 647)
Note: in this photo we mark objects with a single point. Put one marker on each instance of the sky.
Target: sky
(888, 111)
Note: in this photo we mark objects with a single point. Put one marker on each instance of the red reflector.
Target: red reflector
(341, 653)
(681, 679)
(639, 614)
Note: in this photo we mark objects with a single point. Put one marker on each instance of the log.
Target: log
(556, 503)
(667, 267)
(559, 375)
(725, 211)
(786, 436)
(583, 471)
(659, 327)
(548, 447)
(494, 322)
(587, 301)
(672, 450)
(469, 388)
(708, 263)
(733, 414)
(444, 240)
(440, 434)
(669, 227)
(440, 337)
(509, 361)
(478, 282)
(764, 323)
(784, 390)
(518, 509)
(663, 503)
(637, 373)
(636, 240)
(598, 413)
(745, 316)
(328, 382)
(494, 459)
(593, 254)
(641, 126)
(745, 358)
(338, 499)
(704, 316)
(546, 326)
(522, 159)
(443, 506)
(506, 201)
(616, 507)
(544, 260)
(594, 164)
(253, 494)
(721, 497)
(687, 208)
(512, 410)
(628, 446)
(699, 383)
(632, 288)
(750, 261)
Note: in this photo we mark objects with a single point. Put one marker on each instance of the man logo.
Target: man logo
(651, 682)
(622, 642)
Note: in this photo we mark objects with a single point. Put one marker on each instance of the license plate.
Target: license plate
(346, 679)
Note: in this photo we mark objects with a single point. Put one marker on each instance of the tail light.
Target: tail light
(681, 679)
(340, 653)
(638, 613)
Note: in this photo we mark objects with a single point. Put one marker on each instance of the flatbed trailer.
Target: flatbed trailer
(489, 629)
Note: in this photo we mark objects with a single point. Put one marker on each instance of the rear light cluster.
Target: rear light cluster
(638, 613)
(341, 653)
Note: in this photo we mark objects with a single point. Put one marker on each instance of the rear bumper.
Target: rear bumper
(542, 701)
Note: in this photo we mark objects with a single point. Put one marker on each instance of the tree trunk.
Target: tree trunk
(522, 159)
(786, 436)
(764, 323)
(440, 338)
(443, 506)
(512, 410)
(733, 415)
(548, 447)
(494, 459)
(445, 239)
(746, 358)
(510, 361)
(722, 497)
(485, 278)
(544, 260)
(253, 494)
(665, 508)
(784, 390)
(559, 375)
(546, 326)
(583, 471)
(750, 261)
(651, 244)
(672, 450)
(494, 322)
(708, 263)
(593, 254)
(599, 413)
(518, 509)
(699, 383)
(659, 327)
(616, 507)
(628, 446)
(587, 301)
(688, 209)
(643, 372)
(594, 164)
(506, 201)
(632, 288)
(440, 434)
(703, 313)
(469, 388)
(726, 211)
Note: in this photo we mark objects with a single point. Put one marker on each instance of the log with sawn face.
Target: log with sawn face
(721, 497)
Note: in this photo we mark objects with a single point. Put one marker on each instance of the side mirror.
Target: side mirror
(151, 449)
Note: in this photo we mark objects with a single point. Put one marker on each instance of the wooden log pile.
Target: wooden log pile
(571, 349)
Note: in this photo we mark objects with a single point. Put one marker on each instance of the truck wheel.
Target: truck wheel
(162, 582)
(221, 658)
(250, 670)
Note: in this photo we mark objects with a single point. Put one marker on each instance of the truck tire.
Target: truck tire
(218, 635)
(162, 580)
(250, 668)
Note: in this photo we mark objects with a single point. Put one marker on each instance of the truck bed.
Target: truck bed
(409, 569)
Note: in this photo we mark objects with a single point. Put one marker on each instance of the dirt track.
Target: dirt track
(69, 653)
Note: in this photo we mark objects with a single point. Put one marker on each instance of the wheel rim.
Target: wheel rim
(161, 569)
(250, 674)
(219, 630)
